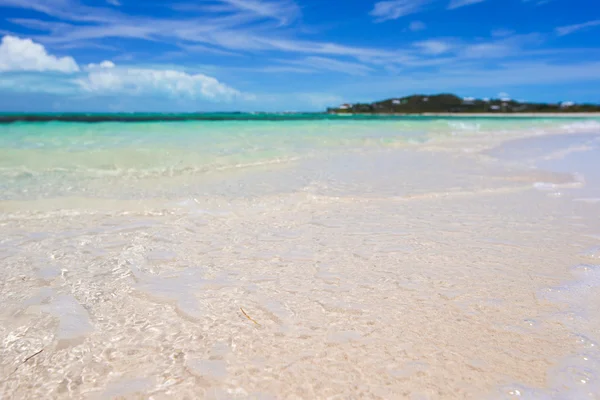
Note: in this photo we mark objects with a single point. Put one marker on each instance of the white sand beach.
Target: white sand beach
(449, 268)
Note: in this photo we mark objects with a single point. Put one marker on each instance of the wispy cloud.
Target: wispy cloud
(283, 10)
(236, 11)
(70, 10)
(505, 47)
(248, 41)
(394, 9)
(487, 50)
(462, 3)
(329, 64)
(537, 2)
(241, 27)
(115, 3)
(200, 48)
(280, 69)
(321, 100)
(466, 77)
(523, 73)
(459, 50)
(567, 30)
(416, 26)
(236, 26)
(502, 32)
(434, 47)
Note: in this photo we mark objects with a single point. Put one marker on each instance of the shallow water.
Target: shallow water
(56, 159)
(433, 258)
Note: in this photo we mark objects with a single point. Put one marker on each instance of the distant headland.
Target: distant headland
(451, 104)
(421, 106)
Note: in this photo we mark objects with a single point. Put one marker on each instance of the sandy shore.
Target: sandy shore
(500, 115)
(525, 115)
(390, 273)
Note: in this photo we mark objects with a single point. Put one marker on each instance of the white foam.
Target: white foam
(462, 127)
(593, 252)
(591, 200)
(577, 376)
(581, 126)
(574, 293)
(549, 186)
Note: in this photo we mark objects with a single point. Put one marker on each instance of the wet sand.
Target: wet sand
(436, 271)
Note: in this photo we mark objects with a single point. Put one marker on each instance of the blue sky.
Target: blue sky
(283, 55)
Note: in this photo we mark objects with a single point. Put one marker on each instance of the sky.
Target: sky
(291, 55)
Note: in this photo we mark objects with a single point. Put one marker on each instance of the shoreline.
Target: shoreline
(6, 119)
(500, 115)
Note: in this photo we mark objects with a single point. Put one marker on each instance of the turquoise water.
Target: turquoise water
(38, 158)
(237, 116)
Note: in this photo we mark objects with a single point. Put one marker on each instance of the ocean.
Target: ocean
(300, 256)
(53, 159)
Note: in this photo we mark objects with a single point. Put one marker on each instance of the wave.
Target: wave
(582, 126)
(25, 173)
(525, 127)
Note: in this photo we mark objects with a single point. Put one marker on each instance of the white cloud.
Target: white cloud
(394, 9)
(24, 55)
(566, 30)
(107, 64)
(462, 3)
(149, 81)
(115, 3)
(417, 26)
(103, 64)
(434, 47)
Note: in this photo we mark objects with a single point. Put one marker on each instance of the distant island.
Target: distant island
(450, 103)
(439, 105)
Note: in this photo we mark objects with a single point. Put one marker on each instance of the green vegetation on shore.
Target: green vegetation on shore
(450, 103)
